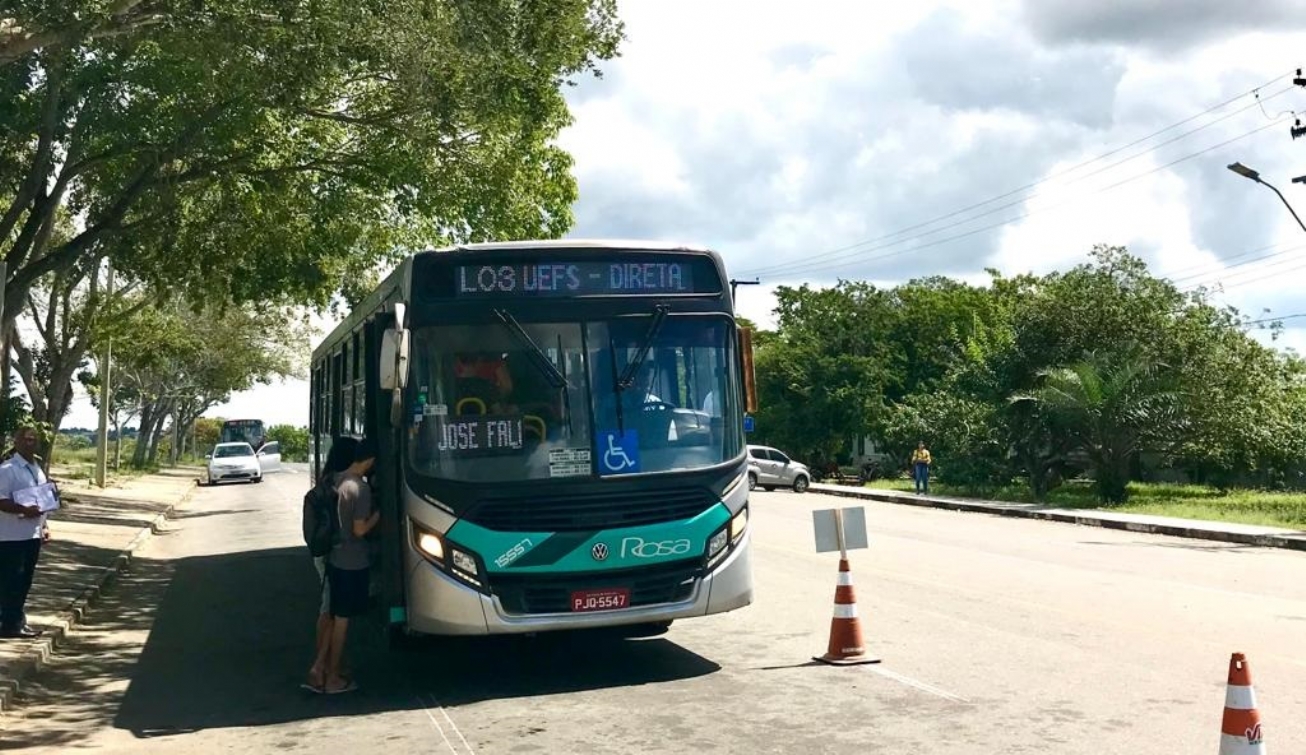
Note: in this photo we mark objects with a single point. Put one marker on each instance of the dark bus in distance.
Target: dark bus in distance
(560, 436)
(249, 431)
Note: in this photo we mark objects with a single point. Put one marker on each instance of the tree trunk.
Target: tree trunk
(1113, 479)
(6, 378)
(144, 432)
(156, 433)
(117, 439)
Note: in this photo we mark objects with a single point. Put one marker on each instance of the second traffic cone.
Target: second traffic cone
(1241, 732)
(846, 644)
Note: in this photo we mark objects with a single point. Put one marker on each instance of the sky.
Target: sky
(875, 141)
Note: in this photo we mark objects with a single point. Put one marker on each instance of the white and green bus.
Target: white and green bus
(560, 436)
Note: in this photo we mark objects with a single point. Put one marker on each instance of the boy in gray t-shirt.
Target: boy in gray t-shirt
(355, 505)
(347, 564)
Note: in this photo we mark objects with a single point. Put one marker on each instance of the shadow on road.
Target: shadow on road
(1209, 546)
(230, 638)
(88, 508)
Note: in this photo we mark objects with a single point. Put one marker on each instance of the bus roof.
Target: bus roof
(632, 244)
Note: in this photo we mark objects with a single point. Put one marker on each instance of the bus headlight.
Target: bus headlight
(738, 524)
(717, 542)
(430, 545)
(463, 561)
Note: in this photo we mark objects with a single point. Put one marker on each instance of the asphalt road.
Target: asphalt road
(998, 636)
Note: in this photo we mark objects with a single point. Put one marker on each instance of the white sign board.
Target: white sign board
(840, 529)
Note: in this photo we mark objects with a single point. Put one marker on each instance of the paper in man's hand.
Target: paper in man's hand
(42, 496)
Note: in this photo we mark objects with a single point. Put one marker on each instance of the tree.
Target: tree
(964, 436)
(294, 441)
(821, 378)
(1110, 410)
(260, 151)
(932, 321)
(14, 413)
(207, 432)
(68, 311)
(182, 360)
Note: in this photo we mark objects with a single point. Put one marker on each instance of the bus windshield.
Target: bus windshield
(489, 405)
(663, 399)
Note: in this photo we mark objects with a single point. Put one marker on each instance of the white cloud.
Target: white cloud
(785, 134)
(779, 133)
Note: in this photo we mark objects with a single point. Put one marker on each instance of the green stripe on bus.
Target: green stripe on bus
(623, 548)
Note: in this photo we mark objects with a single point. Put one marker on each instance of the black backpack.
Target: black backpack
(321, 519)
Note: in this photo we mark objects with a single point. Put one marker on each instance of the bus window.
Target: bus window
(486, 408)
(679, 394)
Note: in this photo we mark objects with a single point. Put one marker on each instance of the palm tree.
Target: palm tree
(1109, 410)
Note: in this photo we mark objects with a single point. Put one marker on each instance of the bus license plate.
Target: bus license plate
(600, 600)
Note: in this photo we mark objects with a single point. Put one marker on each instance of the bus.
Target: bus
(250, 431)
(560, 436)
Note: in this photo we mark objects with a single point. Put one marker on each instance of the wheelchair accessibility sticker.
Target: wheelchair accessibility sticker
(618, 452)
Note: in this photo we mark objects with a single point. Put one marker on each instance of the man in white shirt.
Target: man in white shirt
(710, 405)
(22, 531)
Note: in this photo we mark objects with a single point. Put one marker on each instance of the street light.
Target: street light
(1248, 173)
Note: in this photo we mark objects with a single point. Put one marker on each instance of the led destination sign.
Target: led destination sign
(470, 436)
(581, 279)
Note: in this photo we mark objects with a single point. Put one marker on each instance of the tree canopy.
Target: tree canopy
(257, 149)
(1103, 369)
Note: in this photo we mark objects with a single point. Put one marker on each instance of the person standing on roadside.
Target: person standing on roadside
(348, 564)
(23, 530)
(920, 467)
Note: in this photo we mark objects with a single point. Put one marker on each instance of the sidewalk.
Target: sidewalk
(92, 538)
(1227, 532)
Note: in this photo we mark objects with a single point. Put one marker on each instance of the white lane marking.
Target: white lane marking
(919, 685)
(456, 730)
(445, 714)
(436, 724)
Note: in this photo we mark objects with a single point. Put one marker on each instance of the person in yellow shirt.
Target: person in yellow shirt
(920, 467)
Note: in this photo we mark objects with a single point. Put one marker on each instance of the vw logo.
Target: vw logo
(599, 552)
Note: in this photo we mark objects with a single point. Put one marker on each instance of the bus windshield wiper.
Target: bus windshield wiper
(627, 378)
(533, 351)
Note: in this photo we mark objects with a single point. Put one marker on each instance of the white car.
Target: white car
(232, 461)
(771, 468)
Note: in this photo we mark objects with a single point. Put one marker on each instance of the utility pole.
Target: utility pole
(106, 397)
(4, 343)
(734, 284)
(1297, 129)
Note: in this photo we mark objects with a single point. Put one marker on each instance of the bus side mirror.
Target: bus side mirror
(394, 352)
(394, 360)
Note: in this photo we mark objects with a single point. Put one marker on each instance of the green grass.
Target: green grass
(1184, 501)
(79, 463)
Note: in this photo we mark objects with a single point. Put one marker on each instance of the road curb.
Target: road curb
(54, 635)
(1088, 519)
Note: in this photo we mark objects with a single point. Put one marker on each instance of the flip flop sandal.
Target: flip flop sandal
(311, 688)
(350, 686)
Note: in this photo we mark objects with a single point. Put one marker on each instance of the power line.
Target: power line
(1220, 264)
(846, 262)
(1046, 179)
(1225, 269)
(1275, 319)
(805, 264)
(1248, 281)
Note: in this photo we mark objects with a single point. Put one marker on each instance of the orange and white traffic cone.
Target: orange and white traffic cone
(846, 644)
(1241, 733)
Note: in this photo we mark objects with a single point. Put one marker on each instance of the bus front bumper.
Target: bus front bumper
(438, 604)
